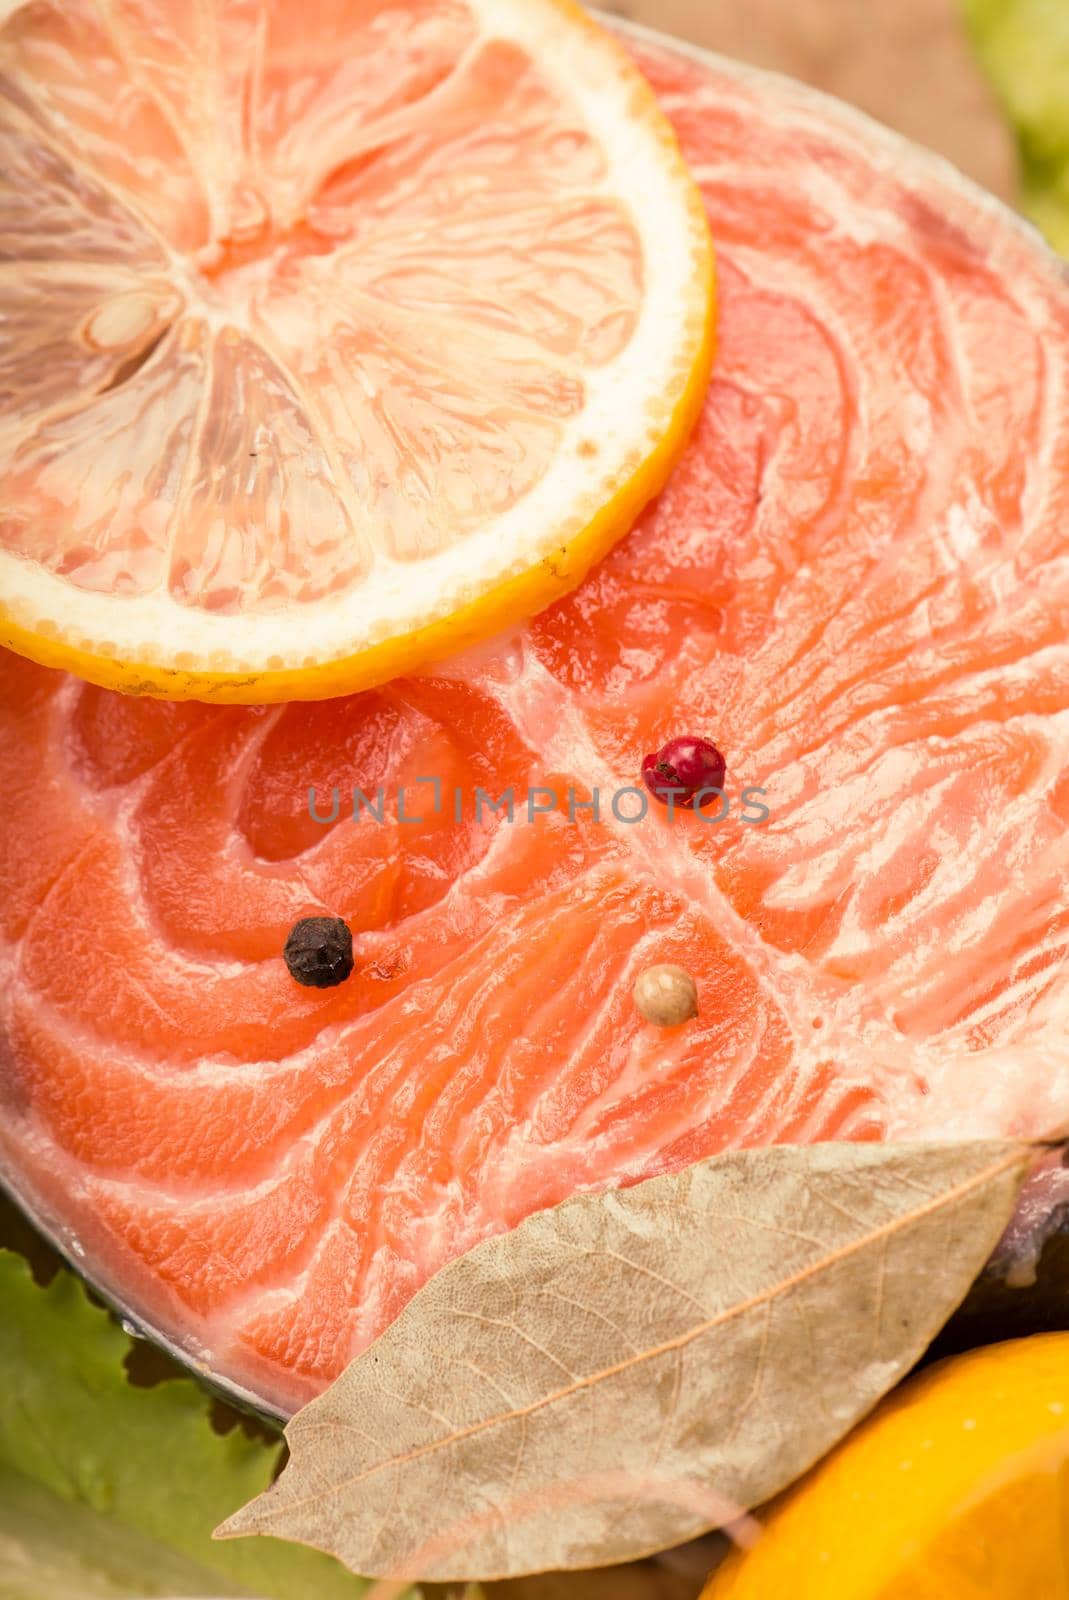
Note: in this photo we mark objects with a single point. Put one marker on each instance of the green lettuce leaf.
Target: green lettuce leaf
(109, 1490)
(1024, 48)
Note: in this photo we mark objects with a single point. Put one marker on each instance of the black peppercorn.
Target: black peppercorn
(319, 952)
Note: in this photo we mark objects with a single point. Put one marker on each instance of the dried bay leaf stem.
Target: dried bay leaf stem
(553, 1398)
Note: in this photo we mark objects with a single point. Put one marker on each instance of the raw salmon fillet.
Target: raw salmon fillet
(857, 583)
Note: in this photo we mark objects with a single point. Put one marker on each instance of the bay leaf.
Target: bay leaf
(677, 1574)
(627, 1370)
(639, 1580)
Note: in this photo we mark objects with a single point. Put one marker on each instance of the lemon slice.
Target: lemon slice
(957, 1488)
(334, 337)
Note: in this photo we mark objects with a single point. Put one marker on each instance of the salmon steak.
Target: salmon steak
(856, 583)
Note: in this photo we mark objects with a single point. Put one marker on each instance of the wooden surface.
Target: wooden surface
(907, 62)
